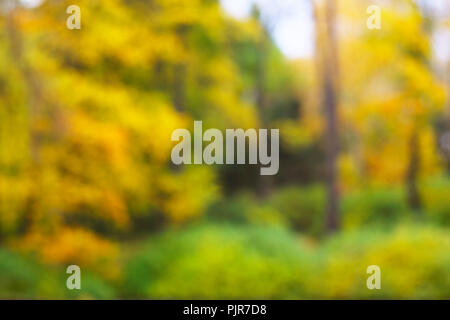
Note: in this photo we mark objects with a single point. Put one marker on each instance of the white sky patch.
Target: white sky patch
(31, 3)
(441, 45)
(291, 23)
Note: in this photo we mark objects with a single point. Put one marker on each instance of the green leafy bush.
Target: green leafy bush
(436, 200)
(234, 210)
(302, 207)
(217, 262)
(92, 287)
(373, 207)
(245, 209)
(23, 278)
(414, 263)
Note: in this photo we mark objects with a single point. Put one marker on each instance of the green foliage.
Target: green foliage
(23, 278)
(299, 208)
(414, 263)
(215, 262)
(218, 262)
(233, 209)
(436, 200)
(245, 209)
(302, 207)
(386, 207)
(92, 287)
(374, 207)
(229, 261)
(20, 278)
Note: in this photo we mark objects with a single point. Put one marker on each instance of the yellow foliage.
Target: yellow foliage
(186, 194)
(408, 264)
(389, 91)
(74, 246)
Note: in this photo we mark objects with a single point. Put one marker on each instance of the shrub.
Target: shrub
(436, 200)
(245, 209)
(234, 210)
(376, 207)
(24, 278)
(20, 278)
(218, 262)
(303, 208)
(414, 263)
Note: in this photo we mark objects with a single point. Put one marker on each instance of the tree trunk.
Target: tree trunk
(326, 46)
(265, 183)
(178, 97)
(414, 200)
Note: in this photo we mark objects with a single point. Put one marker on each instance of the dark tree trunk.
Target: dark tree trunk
(265, 183)
(179, 86)
(414, 200)
(326, 46)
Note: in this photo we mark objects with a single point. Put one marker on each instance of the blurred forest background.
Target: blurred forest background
(86, 178)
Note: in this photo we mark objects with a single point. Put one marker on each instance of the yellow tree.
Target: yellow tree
(390, 96)
(88, 115)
